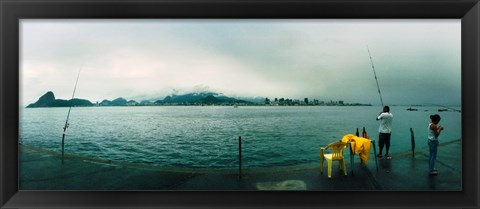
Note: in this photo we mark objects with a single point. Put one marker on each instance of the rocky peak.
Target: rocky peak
(45, 100)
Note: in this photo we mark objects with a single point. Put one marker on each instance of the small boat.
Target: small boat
(412, 109)
(442, 110)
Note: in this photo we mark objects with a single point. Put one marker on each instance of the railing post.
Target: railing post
(63, 148)
(413, 142)
(375, 154)
(352, 163)
(63, 145)
(240, 157)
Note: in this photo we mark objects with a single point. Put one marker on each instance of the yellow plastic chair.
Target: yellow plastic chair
(336, 154)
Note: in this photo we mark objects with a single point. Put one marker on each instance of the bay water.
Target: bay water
(207, 136)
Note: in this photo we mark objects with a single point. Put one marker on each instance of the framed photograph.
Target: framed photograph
(245, 104)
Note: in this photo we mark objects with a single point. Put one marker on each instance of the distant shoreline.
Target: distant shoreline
(212, 105)
(191, 99)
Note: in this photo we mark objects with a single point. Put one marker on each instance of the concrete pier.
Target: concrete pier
(42, 170)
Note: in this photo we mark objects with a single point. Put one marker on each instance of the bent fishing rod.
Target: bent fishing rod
(375, 74)
(68, 115)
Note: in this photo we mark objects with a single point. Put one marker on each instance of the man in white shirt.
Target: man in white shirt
(385, 131)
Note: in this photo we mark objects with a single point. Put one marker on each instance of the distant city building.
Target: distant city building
(267, 101)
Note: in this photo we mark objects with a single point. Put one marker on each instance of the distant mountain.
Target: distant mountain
(209, 98)
(48, 100)
(105, 103)
(259, 100)
(44, 101)
(187, 98)
(119, 102)
(199, 98)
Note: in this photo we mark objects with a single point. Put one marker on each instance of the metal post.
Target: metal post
(413, 142)
(352, 165)
(63, 146)
(240, 157)
(375, 154)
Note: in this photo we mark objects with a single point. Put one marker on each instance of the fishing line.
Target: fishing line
(68, 115)
(375, 74)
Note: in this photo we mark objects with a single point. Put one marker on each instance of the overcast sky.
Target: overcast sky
(416, 61)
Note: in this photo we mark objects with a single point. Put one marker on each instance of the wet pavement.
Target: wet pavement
(43, 170)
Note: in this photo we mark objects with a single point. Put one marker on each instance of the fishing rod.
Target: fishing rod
(68, 115)
(375, 74)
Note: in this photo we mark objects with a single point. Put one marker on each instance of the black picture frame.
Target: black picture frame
(13, 10)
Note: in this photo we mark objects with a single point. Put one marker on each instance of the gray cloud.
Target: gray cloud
(417, 61)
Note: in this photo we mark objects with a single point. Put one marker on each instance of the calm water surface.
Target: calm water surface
(207, 137)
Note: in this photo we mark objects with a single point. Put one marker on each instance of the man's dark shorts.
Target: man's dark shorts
(384, 138)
